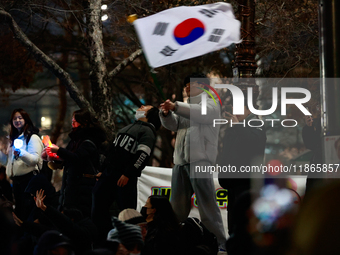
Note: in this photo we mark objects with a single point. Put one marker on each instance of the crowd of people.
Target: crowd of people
(35, 219)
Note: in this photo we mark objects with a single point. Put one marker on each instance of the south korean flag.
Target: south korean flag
(185, 32)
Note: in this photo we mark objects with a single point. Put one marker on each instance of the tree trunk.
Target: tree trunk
(101, 93)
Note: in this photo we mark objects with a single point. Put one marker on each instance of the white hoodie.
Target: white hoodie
(28, 160)
(196, 138)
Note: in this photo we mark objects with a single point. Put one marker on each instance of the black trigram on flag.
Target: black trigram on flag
(208, 13)
(160, 28)
(167, 51)
(216, 35)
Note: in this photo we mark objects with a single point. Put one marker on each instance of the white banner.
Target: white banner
(157, 181)
(186, 32)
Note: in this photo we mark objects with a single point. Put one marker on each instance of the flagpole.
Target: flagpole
(156, 82)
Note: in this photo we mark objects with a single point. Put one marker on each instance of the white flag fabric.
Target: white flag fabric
(185, 32)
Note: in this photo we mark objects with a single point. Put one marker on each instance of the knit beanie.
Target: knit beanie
(131, 216)
(128, 234)
(113, 236)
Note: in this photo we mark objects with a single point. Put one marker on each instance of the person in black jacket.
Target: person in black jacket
(242, 146)
(81, 161)
(162, 236)
(127, 157)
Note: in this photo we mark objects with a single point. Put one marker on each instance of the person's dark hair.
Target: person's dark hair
(85, 118)
(153, 117)
(202, 79)
(164, 216)
(88, 120)
(29, 129)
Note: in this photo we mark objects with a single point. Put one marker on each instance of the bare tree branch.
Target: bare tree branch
(49, 63)
(124, 63)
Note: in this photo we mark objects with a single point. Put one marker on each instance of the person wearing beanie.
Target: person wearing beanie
(131, 216)
(129, 235)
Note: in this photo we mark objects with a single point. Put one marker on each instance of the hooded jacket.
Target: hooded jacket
(28, 160)
(194, 130)
(81, 156)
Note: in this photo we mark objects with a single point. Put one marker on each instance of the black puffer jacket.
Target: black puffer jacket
(81, 156)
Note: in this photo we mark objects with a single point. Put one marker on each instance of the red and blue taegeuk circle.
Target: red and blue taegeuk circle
(188, 31)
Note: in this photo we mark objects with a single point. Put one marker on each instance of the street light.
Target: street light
(105, 17)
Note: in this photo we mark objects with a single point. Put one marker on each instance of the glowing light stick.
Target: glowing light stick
(18, 143)
(47, 141)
